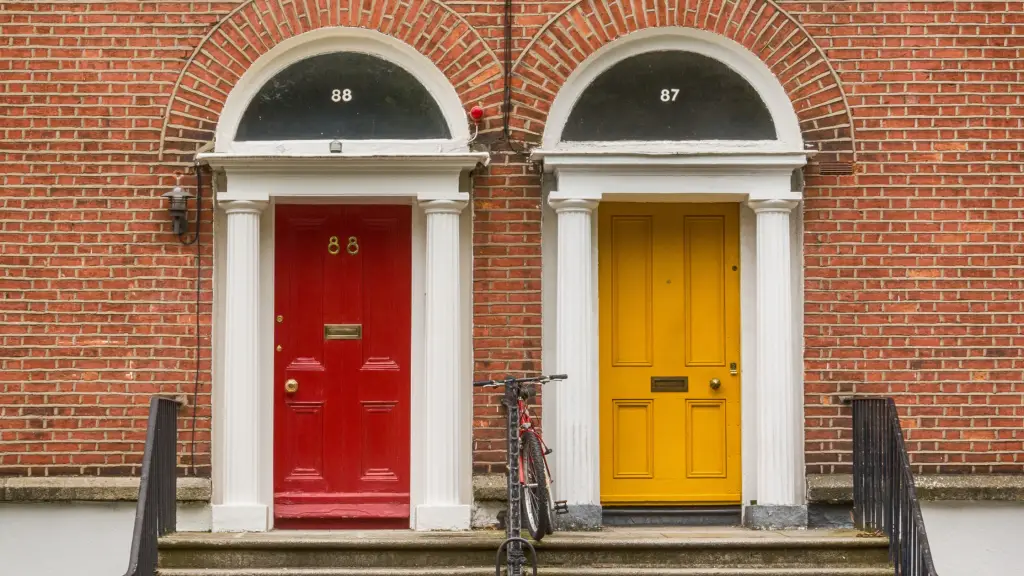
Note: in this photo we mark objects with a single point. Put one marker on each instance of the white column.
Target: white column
(441, 507)
(576, 450)
(240, 508)
(778, 420)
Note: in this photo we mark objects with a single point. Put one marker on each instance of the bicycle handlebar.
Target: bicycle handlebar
(524, 380)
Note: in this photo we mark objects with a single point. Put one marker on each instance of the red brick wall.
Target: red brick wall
(506, 292)
(97, 297)
(913, 266)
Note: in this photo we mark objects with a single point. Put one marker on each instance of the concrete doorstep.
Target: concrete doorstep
(610, 552)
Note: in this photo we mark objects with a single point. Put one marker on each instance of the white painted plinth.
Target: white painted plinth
(779, 476)
(240, 518)
(576, 453)
(441, 507)
(239, 508)
(443, 517)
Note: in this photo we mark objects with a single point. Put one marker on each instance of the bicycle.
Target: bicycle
(529, 475)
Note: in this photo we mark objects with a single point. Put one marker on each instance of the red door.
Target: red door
(341, 372)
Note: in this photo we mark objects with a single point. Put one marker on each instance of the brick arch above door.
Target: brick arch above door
(761, 26)
(256, 26)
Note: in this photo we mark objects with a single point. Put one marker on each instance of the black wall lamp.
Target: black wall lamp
(177, 206)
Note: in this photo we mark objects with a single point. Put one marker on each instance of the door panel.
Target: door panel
(378, 433)
(669, 323)
(305, 454)
(706, 439)
(704, 272)
(342, 332)
(631, 247)
(634, 439)
(382, 239)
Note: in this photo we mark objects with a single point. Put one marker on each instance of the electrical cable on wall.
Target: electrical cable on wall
(507, 116)
(196, 239)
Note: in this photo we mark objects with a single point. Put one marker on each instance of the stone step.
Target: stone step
(622, 550)
(543, 571)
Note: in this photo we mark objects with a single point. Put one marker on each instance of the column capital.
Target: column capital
(777, 205)
(243, 206)
(572, 204)
(443, 206)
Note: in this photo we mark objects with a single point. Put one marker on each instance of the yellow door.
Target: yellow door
(670, 333)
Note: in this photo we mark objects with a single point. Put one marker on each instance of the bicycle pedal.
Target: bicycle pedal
(561, 507)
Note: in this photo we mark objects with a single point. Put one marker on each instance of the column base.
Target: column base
(442, 517)
(767, 517)
(240, 518)
(581, 517)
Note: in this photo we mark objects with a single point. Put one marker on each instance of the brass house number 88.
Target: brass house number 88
(334, 246)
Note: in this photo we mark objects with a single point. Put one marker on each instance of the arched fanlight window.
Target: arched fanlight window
(343, 96)
(669, 95)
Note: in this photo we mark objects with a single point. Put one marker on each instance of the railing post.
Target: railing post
(881, 488)
(858, 466)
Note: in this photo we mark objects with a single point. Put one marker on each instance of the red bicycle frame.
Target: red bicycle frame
(526, 423)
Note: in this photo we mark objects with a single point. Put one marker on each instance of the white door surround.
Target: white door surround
(428, 174)
(758, 173)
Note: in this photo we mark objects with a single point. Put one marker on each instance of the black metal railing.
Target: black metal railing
(884, 498)
(155, 514)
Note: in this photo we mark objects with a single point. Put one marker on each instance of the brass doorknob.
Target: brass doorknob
(716, 383)
(291, 385)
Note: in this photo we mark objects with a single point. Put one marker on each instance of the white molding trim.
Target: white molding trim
(342, 39)
(398, 161)
(421, 177)
(674, 177)
(675, 186)
(669, 151)
(726, 51)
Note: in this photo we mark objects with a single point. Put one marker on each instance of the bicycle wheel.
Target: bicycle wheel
(536, 509)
